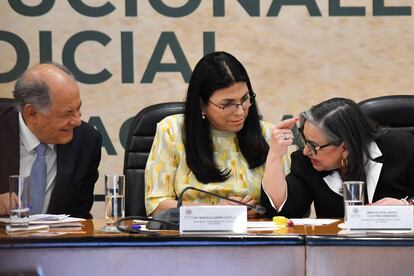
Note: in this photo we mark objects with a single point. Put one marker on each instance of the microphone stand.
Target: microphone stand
(258, 208)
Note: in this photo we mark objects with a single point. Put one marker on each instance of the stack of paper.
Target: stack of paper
(42, 222)
(55, 220)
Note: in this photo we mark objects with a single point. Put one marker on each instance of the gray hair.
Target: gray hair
(34, 91)
(342, 121)
(308, 116)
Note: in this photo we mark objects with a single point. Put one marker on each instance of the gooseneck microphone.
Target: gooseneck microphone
(256, 207)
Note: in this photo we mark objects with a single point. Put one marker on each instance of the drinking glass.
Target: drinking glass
(354, 194)
(19, 201)
(114, 201)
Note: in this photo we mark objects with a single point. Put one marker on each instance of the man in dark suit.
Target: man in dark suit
(48, 113)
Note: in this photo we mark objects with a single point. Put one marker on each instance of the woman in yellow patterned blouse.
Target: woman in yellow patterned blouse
(218, 144)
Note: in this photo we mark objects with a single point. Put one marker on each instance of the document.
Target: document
(43, 222)
(31, 228)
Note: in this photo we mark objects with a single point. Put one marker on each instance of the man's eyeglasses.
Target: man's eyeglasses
(245, 103)
(313, 148)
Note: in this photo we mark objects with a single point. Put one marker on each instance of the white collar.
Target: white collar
(30, 141)
(374, 150)
(372, 171)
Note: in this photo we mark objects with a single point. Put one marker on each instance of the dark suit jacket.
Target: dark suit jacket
(77, 165)
(306, 185)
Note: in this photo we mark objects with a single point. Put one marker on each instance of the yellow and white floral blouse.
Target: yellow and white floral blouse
(167, 174)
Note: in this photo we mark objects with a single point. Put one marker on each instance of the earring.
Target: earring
(203, 115)
(344, 162)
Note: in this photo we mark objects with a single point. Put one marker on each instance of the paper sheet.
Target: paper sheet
(313, 222)
(28, 229)
(48, 219)
(269, 225)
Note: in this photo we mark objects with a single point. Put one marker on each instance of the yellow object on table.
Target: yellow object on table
(280, 221)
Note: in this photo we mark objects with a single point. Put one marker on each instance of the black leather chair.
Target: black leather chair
(391, 111)
(138, 146)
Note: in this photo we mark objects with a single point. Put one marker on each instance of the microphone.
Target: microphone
(256, 207)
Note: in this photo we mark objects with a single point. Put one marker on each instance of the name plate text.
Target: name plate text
(380, 218)
(220, 219)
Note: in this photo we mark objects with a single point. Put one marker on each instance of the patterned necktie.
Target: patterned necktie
(38, 176)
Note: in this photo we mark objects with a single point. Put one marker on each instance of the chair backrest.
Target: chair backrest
(391, 111)
(6, 103)
(138, 146)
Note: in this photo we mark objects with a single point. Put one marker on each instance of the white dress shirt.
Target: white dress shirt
(28, 143)
(372, 172)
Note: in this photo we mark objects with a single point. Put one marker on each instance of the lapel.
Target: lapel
(334, 182)
(9, 147)
(63, 191)
(372, 170)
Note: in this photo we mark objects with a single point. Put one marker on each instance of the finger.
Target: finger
(285, 142)
(4, 204)
(14, 200)
(251, 202)
(14, 197)
(3, 208)
(287, 124)
(246, 199)
(277, 132)
(285, 136)
(237, 198)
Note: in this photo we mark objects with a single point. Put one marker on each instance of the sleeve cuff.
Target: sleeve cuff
(271, 201)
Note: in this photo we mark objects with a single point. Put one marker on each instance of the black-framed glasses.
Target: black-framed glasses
(313, 148)
(245, 103)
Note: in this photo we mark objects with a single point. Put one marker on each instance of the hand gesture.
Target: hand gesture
(282, 137)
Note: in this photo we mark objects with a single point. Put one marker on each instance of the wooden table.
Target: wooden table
(299, 250)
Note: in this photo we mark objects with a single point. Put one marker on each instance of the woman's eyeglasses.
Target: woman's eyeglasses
(245, 103)
(313, 148)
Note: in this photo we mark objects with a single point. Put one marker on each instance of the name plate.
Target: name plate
(380, 218)
(220, 219)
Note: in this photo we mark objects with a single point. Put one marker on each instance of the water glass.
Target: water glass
(19, 201)
(114, 200)
(354, 194)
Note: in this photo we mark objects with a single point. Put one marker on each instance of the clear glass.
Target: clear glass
(114, 201)
(354, 194)
(19, 201)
